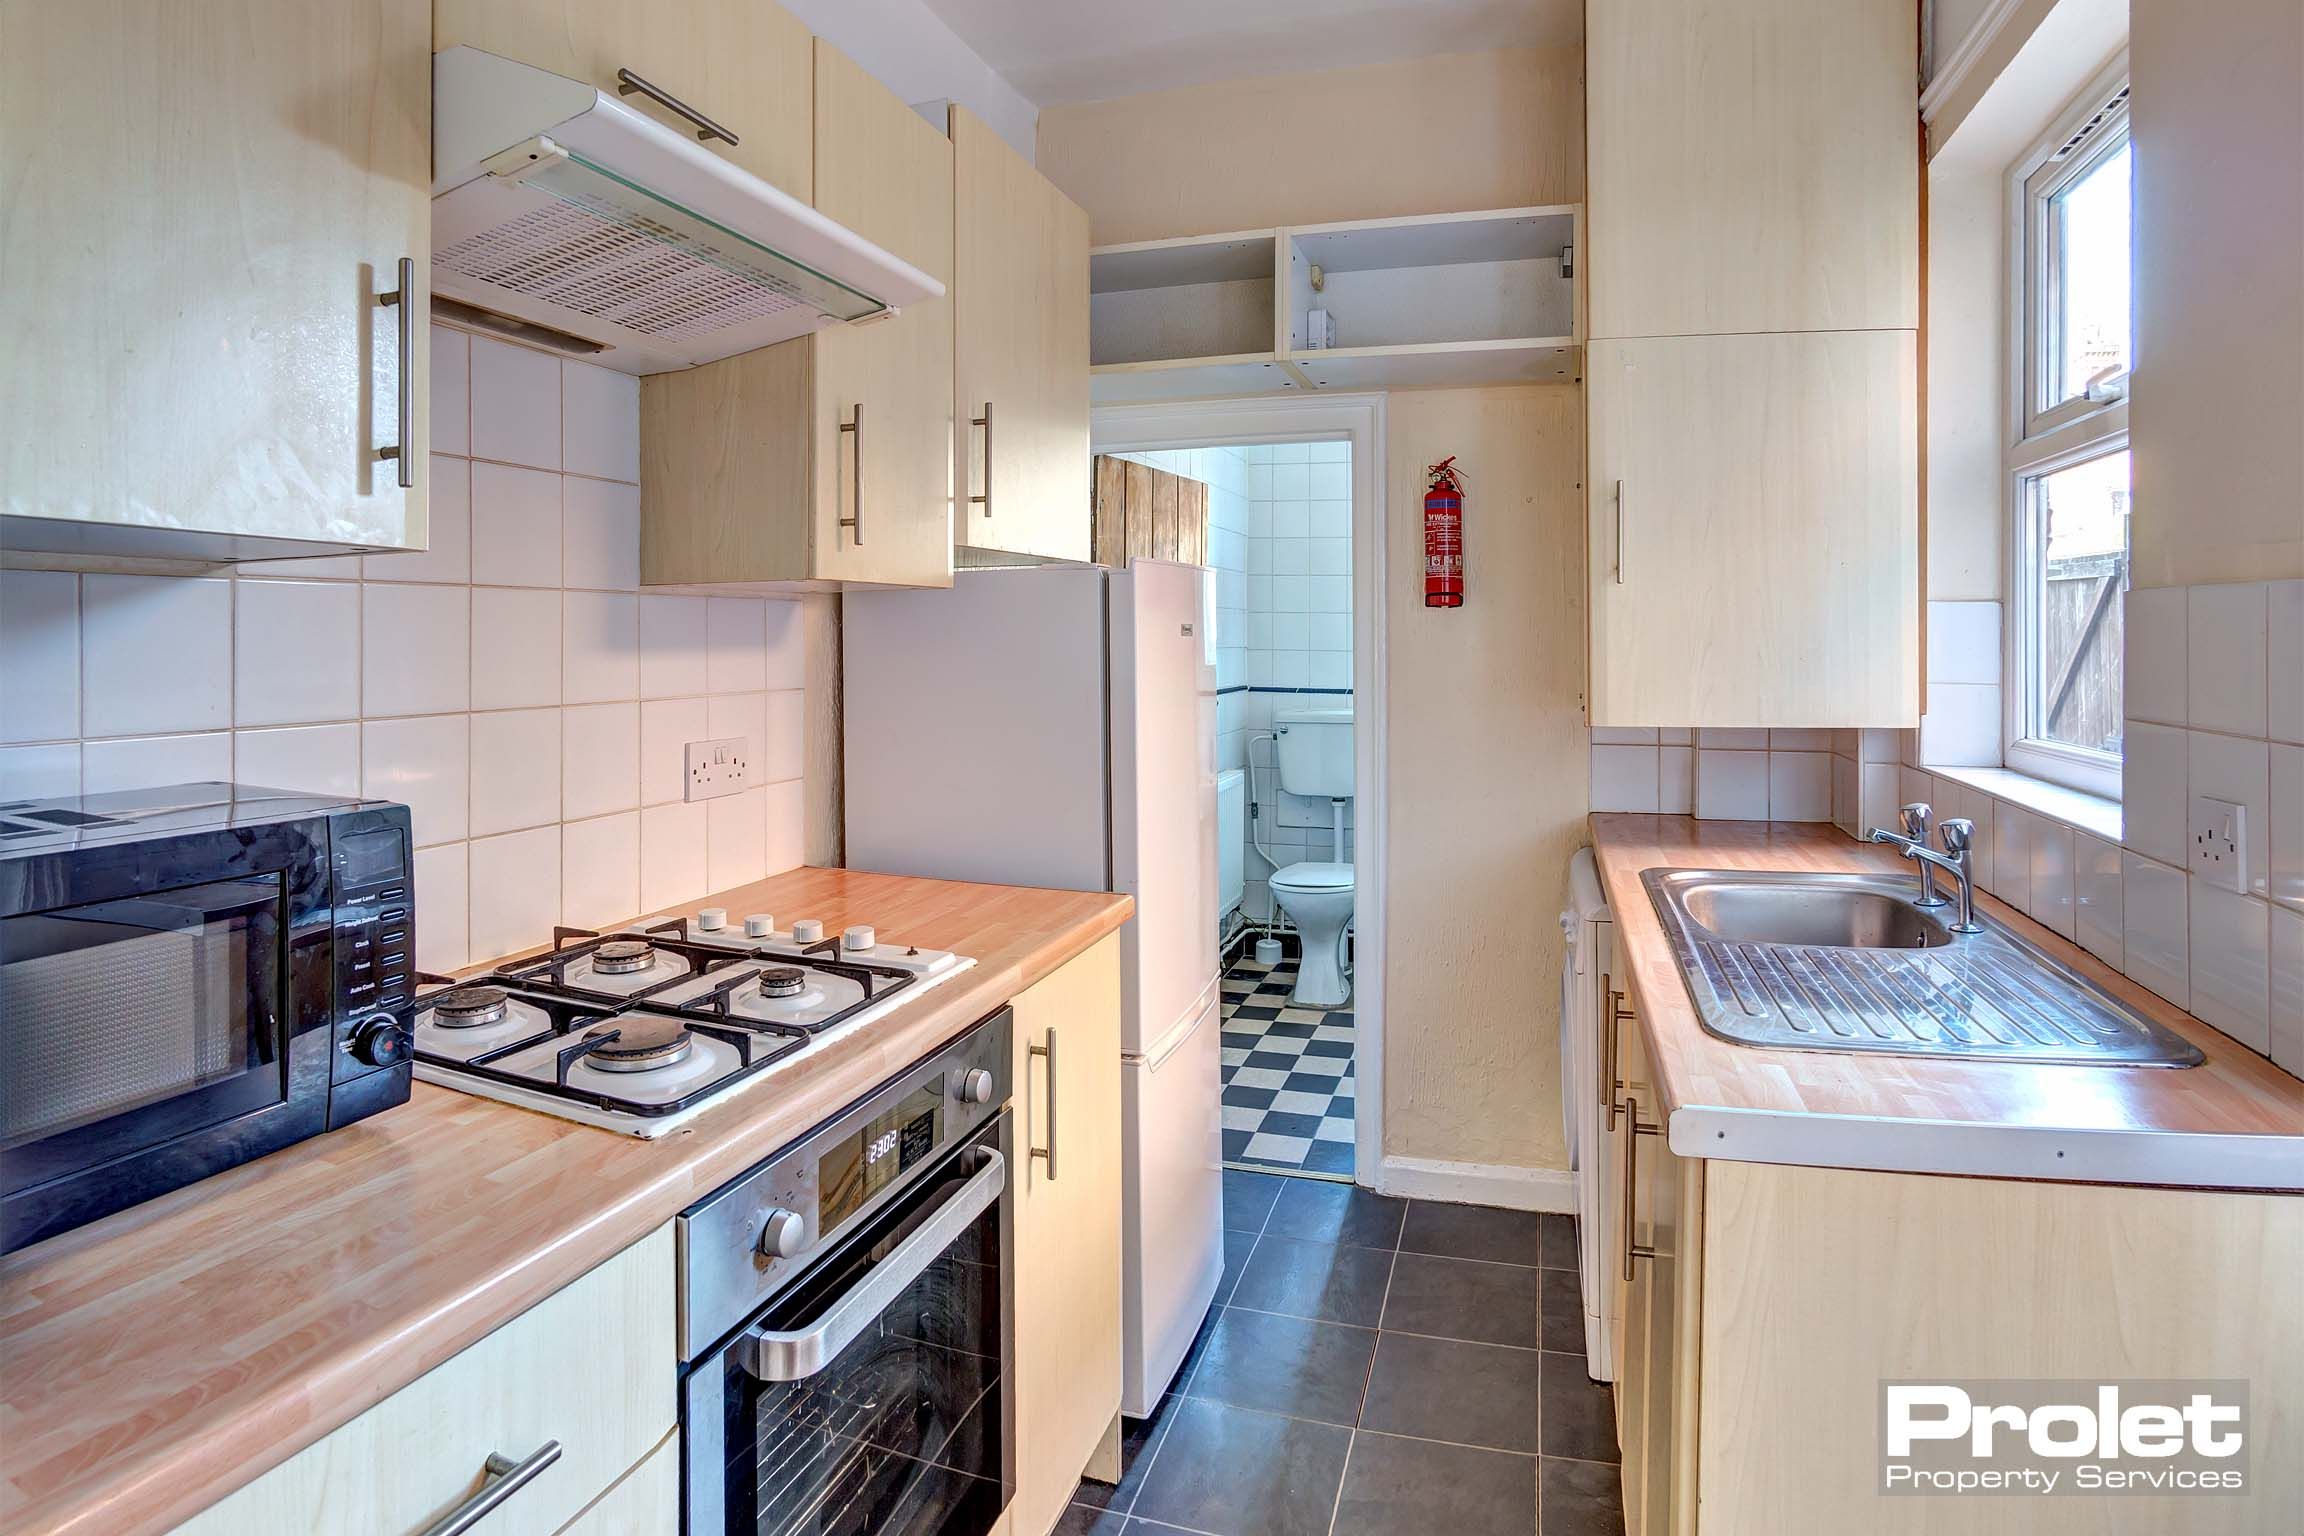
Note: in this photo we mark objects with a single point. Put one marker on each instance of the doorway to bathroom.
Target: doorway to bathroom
(1293, 489)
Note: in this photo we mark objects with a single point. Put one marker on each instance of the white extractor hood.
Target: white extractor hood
(558, 205)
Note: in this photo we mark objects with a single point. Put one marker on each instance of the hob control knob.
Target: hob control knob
(784, 1235)
(808, 931)
(759, 925)
(378, 1042)
(859, 937)
(975, 1086)
(712, 919)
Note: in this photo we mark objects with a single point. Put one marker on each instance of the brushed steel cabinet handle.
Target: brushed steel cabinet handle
(1620, 533)
(857, 427)
(1637, 1129)
(1611, 1051)
(706, 129)
(1047, 1154)
(985, 421)
(403, 300)
(502, 1477)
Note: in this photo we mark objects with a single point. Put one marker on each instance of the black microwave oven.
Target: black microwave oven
(191, 977)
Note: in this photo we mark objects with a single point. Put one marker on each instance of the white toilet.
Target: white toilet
(1314, 747)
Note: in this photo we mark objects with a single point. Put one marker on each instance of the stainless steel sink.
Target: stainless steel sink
(1848, 963)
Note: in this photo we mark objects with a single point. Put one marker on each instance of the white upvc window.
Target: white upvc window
(2071, 347)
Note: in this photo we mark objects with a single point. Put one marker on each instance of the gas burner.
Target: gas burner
(643, 1043)
(621, 957)
(783, 981)
(470, 1007)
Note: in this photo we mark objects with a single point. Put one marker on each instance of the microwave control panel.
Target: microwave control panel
(374, 940)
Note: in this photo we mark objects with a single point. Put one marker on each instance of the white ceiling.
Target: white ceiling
(1090, 50)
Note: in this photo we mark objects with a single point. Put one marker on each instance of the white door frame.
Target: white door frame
(1150, 427)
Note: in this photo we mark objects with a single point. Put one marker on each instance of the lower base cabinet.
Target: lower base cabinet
(609, 1400)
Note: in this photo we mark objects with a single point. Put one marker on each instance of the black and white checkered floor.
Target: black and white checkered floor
(1288, 1081)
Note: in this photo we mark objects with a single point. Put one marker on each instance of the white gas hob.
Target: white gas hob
(640, 1031)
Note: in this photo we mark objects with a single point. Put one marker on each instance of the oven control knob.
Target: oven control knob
(784, 1235)
(712, 919)
(807, 931)
(975, 1086)
(859, 937)
(378, 1042)
(759, 926)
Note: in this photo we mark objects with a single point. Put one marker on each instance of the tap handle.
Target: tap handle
(1916, 818)
(1958, 832)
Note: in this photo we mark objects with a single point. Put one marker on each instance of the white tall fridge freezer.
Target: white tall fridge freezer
(1056, 726)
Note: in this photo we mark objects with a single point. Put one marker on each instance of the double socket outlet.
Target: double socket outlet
(718, 767)
(2220, 842)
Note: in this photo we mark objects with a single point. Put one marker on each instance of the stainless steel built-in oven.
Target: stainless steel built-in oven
(845, 1318)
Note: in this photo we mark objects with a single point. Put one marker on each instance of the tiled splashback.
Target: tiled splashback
(1739, 775)
(510, 684)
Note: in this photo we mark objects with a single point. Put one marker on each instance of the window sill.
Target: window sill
(2092, 814)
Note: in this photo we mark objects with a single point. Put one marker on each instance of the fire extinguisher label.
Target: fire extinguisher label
(1444, 537)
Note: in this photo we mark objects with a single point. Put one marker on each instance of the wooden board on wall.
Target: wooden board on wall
(1142, 511)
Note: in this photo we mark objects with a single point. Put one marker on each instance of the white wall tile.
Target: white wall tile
(2155, 675)
(784, 753)
(515, 889)
(1623, 778)
(599, 422)
(1880, 791)
(1675, 736)
(451, 391)
(154, 654)
(2155, 929)
(600, 870)
(736, 839)
(1800, 786)
(296, 652)
(599, 760)
(2231, 964)
(1961, 728)
(2287, 1024)
(672, 841)
(744, 715)
(2012, 855)
(515, 770)
(1984, 811)
(1676, 780)
(2226, 657)
(516, 645)
(2284, 660)
(443, 909)
(2096, 904)
(321, 759)
(515, 526)
(1731, 786)
(2286, 875)
(736, 637)
(424, 762)
(39, 655)
(1800, 741)
(515, 405)
(1964, 642)
(145, 762)
(1742, 739)
(600, 659)
(415, 649)
(784, 813)
(2054, 876)
(672, 646)
(666, 728)
(1623, 735)
(2230, 769)
(600, 534)
(40, 773)
(448, 553)
(2154, 805)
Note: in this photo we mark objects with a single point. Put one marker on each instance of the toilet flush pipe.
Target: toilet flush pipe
(1255, 806)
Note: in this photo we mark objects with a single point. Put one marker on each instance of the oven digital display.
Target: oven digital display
(859, 1167)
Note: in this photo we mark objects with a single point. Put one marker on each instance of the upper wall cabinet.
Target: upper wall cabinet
(1020, 348)
(1753, 166)
(745, 66)
(199, 210)
(829, 458)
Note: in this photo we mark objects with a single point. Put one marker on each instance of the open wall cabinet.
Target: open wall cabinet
(1442, 299)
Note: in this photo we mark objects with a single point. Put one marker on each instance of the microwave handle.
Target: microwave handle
(769, 1355)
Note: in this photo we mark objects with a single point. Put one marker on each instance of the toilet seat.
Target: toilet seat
(1314, 877)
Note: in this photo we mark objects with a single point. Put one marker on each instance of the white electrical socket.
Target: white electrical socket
(717, 768)
(2220, 842)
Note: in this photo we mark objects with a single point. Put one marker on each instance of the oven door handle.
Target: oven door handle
(770, 1355)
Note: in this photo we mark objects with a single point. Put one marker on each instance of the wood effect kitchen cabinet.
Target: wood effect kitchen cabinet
(1065, 1086)
(1659, 1291)
(199, 207)
(827, 459)
(748, 65)
(606, 1394)
(1754, 530)
(1753, 165)
(1020, 352)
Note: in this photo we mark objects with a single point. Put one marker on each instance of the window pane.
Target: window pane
(2091, 218)
(2080, 569)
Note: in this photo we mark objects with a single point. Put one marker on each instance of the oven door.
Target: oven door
(870, 1397)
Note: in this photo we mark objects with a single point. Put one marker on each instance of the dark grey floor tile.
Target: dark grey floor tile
(1321, 1212)
(1334, 1284)
(1088, 1520)
(1464, 1299)
(1248, 1199)
(1397, 1487)
(1237, 1247)
(1139, 1438)
(1558, 1241)
(1578, 1498)
(1579, 1415)
(1285, 1365)
(1232, 1472)
(1442, 1389)
(1471, 1232)
(1563, 1310)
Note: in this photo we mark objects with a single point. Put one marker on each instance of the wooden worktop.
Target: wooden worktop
(2141, 1125)
(155, 1360)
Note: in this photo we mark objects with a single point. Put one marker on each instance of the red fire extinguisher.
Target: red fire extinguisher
(1444, 536)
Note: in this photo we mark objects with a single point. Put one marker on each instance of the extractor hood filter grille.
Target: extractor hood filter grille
(590, 243)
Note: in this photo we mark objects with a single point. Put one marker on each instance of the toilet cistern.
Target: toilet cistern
(1313, 746)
